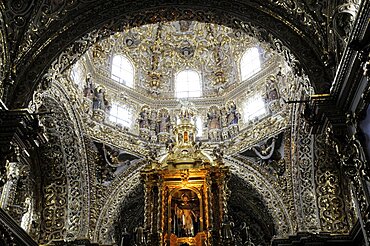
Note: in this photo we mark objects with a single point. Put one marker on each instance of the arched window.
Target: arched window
(188, 84)
(120, 115)
(250, 63)
(253, 108)
(122, 70)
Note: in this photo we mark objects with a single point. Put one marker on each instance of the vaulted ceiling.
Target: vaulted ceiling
(34, 33)
(38, 34)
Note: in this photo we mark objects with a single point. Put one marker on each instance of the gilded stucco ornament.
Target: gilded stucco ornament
(154, 117)
(279, 211)
(304, 192)
(298, 20)
(82, 119)
(330, 194)
(164, 49)
(66, 152)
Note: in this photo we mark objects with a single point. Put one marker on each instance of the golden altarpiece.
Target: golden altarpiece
(185, 192)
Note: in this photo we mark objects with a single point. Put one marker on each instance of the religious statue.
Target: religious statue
(226, 230)
(164, 122)
(218, 152)
(140, 237)
(153, 121)
(144, 118)
(185, 218)
(89, 87)
(232, 114)
(170, 145)
(271, 89)
(264, 151)
(213, 121)
(98, 99)
(26, 214)
(224, 117)
(245, 235)
(125, 238)
(184, 25)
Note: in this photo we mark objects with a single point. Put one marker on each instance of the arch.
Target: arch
(125, 184)
(246, 206)
(4, 55)
(128, 181)
(188, 84)
(115, 16)
(131, 214)
(68, 129)
(69, 170)
(182, 188)
(274, 203)
(122, 70)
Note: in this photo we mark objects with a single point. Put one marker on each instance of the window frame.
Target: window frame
(190, 93)
(126, 120)
(245, 62)
(121, 79)
(250, 103)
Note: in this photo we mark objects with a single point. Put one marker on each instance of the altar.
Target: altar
(185, 191)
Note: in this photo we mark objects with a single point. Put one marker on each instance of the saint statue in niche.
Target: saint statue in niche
(185, 214)
(213, 119)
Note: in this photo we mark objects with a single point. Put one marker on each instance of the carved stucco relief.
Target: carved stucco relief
(65, 205)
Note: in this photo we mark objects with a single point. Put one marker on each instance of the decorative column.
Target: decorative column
(10, 186)
(221, 226)
(148, 204)
(21, 133)
(354, 165)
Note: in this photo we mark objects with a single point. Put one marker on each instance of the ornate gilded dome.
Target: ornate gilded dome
(134, 80)
(159, 52)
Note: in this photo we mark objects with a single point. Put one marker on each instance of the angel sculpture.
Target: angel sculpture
(265, 151)
(115, 157)
(268, 154)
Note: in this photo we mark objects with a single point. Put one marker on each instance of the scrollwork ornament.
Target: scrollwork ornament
(308, 207)
(272, 200)
(46, 12)
(333, 217)
(66, 179)
(354, 164)
(112, 199)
